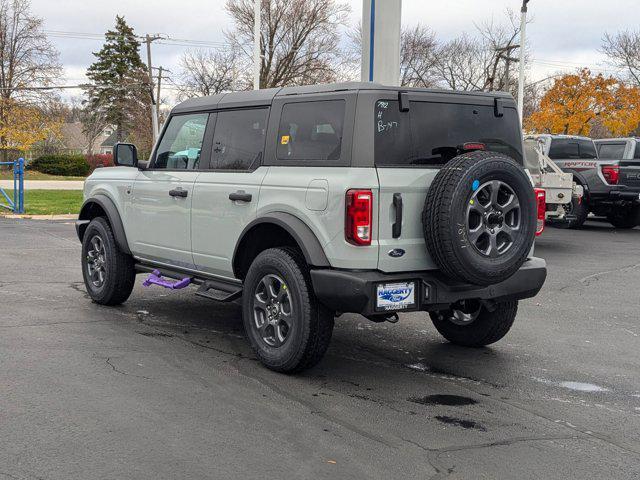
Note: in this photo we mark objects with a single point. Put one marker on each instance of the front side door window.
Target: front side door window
(181, 143)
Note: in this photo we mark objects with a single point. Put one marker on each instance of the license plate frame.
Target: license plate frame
(396, 296)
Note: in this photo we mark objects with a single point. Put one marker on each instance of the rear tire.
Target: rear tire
(471, 324)
(288, 329)
(625, 218)
(109, 274)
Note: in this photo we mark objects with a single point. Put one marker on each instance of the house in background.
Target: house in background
(106, 147)
(72, 140)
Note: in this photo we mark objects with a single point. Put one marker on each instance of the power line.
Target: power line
(167, 39)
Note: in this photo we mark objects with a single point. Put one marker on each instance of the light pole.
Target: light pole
(523, 27)
(256, 44)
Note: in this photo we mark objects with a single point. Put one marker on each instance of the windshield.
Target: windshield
(431, 134)
(563, 148)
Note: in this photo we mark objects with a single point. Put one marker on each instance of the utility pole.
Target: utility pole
(256, 44)
(154, 112)
(523, 27)
(158, 98)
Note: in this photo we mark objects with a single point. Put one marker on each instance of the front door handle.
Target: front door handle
(178, 192)
(240, 197)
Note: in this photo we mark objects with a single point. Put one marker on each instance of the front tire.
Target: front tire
(471, 324)
(109, 274)
(288, 329)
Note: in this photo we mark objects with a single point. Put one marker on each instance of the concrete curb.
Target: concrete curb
(71, 216)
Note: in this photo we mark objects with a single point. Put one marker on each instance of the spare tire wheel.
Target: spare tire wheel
(479, 218)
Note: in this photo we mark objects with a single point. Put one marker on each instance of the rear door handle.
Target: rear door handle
(240, 197)
(178, 192)
(396, 229)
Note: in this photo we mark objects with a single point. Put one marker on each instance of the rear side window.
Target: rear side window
(311, 131)
(637, 152)
(611, 151)
(431, 134)
(568, 148)
(238, 140)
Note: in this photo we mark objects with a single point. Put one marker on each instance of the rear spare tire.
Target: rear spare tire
(479, 218)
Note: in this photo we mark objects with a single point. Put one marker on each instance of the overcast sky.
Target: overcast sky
(564, 35)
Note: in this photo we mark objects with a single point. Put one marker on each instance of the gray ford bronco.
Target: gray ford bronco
(305, 203)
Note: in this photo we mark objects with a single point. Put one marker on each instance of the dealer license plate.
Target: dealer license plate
(396, 296)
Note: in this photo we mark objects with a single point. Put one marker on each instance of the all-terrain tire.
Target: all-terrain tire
(445, 217)
(119, 273)
(625, 218)
(487, 328)
(311, 327)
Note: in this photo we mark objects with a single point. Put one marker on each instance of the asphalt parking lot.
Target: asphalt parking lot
(166, 386)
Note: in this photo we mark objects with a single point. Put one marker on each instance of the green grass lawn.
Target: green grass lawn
(33, 175)
(52, 202)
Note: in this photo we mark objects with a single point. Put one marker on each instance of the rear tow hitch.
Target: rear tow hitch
(155, 278)
(384, 317)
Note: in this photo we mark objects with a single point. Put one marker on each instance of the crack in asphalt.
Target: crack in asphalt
(312, 408)
(122, 372)
(433, 454)
(586, 281)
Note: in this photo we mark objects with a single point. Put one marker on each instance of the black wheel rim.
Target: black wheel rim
(463, 313)
(494, 218)
(272, 311)
(96, 261)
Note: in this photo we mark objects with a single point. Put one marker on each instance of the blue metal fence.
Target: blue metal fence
(15, 202)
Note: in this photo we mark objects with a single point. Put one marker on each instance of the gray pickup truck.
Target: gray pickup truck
(611, 183)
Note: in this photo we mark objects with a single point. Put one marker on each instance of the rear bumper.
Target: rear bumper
(617, 194)
(354, 291)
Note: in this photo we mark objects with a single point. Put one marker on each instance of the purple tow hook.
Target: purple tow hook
(156, 279)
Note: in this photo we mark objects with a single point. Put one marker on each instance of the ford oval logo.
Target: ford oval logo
(396, 252)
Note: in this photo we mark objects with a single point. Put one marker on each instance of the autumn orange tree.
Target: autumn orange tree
(576, 101)
(25, 125)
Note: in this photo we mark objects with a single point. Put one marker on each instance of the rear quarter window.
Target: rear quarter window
(311, 131)
(431, 134)
(611, 151)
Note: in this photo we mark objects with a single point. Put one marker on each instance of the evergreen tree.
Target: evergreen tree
(119, 92)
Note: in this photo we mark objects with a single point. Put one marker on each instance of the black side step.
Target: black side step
(219, 291)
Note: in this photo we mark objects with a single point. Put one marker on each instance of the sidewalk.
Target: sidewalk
(45, 184)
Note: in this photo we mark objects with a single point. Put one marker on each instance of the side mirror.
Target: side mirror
(125, 155)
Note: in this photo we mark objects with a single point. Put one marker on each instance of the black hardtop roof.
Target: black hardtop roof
(266, 96)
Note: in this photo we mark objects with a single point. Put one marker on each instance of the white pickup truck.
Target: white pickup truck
(561, 190)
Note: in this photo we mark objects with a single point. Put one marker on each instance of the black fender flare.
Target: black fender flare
(300, 231)
(109, 207)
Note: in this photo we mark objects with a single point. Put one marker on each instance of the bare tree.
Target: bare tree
(300, 41)
(27, 61)
(462, 64)
(419, 56)
(207, 72)
(623, 50)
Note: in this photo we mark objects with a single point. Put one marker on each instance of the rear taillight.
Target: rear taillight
(541, 204)
(473, 146)
(359, 207)
(611, 173)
